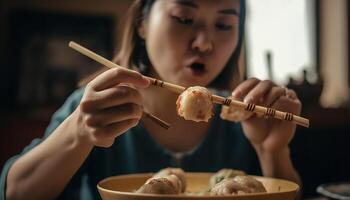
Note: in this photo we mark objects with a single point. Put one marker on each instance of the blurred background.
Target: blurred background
(302, 44)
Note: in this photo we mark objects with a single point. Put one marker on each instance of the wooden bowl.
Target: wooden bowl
(122, 187)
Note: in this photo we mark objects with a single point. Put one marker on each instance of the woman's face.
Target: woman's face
(190, 41)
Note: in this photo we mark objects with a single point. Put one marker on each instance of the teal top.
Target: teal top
(225, 146)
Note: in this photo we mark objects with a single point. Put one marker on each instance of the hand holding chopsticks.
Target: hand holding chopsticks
(270, 112)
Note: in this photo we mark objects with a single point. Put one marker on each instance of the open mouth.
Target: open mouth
(198, 69)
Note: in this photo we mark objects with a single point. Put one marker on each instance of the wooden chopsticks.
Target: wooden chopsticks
(269, 112)
(157, 120)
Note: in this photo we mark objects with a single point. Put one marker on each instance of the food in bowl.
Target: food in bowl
(224, 174)
(169, 184)
(229, 182)
(173, 171)
(166, 181)
(123, 187)
(238, 185)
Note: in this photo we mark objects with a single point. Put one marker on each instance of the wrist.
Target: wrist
(273, 155)
(278, 164)
(74, 123)
(273, 163)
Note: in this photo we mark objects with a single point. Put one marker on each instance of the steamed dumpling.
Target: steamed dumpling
(254, 185)
(164, 185)
(173, 171)
(228, 187)
(237, 185)
(166, 181)
(195, 104)
(224, 174)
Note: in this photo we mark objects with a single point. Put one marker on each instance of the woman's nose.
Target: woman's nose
(202, 42)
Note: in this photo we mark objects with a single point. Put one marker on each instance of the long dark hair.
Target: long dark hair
(132, 51)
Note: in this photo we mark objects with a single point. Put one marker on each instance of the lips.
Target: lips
(197, 68)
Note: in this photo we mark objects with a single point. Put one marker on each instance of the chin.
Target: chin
(188, 80)
(189, 83)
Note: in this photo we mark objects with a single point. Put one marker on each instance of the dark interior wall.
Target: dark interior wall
(94, 8)
(321, 155)
(109, 8)
(20, 20)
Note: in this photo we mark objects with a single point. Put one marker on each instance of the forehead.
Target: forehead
(206, 4)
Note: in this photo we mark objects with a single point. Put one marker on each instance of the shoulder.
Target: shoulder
(65, 110)
(71, 103)
(74, 99)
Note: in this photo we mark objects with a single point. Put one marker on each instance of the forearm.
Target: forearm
(278, 165)
(43, 172)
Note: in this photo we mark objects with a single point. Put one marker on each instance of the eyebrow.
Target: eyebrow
(191, 4)
(187, 3)
(229, 12)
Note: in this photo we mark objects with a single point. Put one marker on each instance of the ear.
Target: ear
(142, 29)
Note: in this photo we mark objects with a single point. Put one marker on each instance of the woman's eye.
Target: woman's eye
(183, 20)
(223, 27)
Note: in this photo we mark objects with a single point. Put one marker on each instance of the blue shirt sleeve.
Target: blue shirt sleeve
(68, 107)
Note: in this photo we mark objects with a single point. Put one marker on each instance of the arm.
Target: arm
(106, 110)
(49, 166)
(278, 165)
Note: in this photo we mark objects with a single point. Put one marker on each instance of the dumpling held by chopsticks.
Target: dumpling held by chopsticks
(195, 104)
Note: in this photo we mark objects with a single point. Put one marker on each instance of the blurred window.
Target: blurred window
(281, 34)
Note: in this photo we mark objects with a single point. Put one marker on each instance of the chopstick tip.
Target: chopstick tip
(72, 44)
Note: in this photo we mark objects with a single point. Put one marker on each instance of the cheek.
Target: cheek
(226, 45)
(165, 44)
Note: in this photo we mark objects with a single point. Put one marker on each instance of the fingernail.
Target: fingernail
(248, 100)
(146, 81)
(236, 94)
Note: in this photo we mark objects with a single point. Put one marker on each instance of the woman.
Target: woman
(186, 42)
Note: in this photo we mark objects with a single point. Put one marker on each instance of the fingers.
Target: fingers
(104, 126)
(105, 136)
(266, 93)
(115, 76)
(111, 105)
(114, 115)
(272, 96)
(282, 99)
(119, 127)
(259, 91)
(253, 90)
(292, 95)
(110, 97)
(243, 89)
(287, 104)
